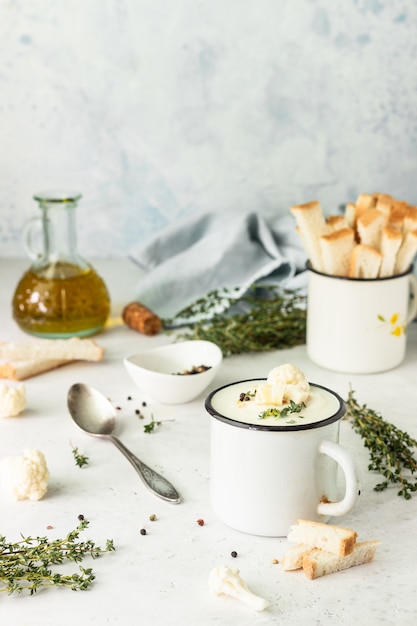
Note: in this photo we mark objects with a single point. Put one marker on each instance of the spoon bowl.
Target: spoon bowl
(95, 415)
(91, 411)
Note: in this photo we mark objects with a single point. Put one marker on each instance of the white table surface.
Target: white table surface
(161, 578)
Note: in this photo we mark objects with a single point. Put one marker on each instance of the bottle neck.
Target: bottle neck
(59, 234)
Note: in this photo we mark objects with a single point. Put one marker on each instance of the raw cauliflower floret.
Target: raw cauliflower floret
(284, 383)
(226, 581)
(12, 399)
(25, 477)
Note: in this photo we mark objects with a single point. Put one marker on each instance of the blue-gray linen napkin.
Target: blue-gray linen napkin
(216, 250)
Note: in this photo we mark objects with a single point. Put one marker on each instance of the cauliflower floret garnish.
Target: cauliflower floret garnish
(25, 477)
(223, 580)
(12, 400)
(284, 383)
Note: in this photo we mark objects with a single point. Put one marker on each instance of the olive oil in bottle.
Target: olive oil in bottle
(60, 295)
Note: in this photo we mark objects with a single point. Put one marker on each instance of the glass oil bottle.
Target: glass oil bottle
(60, 295)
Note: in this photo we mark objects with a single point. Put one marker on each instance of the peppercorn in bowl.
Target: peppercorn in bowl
(176, 373)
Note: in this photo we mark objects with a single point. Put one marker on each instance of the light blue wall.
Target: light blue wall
(155, 109)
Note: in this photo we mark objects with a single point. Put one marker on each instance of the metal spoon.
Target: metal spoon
(94, 414)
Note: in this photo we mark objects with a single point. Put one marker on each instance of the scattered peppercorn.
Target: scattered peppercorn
(144, 403)
(81, 517)
(200, 522)
(129, 397)
(153, 517)
(143, 531)
(233, 554)
(246, 396)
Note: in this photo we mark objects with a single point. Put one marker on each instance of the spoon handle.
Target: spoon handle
(154, 481)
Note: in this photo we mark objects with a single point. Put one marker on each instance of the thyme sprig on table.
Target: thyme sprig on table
(150, 427)
(391, 449)
(80, 459)
(265, 318)
(26, 564)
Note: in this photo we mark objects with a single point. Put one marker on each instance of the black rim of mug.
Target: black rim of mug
(263, 427)
(358, 280)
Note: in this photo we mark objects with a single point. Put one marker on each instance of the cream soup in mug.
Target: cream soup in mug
(321, 406)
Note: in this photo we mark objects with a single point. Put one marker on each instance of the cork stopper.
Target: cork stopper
(142, 319)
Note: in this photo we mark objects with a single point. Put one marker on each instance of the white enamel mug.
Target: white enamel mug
(265, 477)
(357, 325)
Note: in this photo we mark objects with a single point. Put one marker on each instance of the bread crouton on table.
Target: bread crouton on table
(323, 549)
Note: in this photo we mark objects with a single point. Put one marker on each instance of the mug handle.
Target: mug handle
(343, 458)
(412, 306)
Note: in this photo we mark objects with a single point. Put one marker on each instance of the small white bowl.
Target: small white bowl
(158, 372)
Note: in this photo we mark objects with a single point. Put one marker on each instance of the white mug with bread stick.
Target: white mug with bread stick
(267, 470)
(362, 293)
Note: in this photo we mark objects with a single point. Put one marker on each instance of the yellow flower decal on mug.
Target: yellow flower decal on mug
(397, 329)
